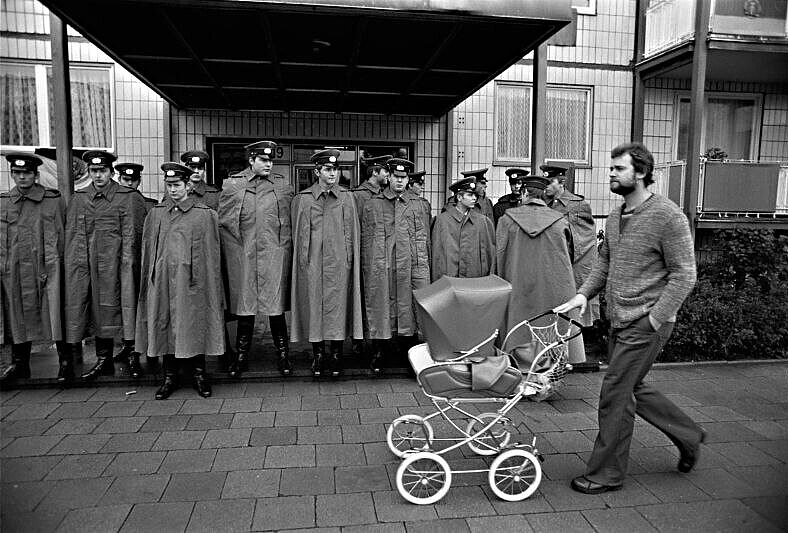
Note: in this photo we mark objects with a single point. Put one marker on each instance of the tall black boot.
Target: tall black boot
(20, 363)
(123, 355)
(281, 343)
(376, 360)
(335, 358)
(201, 382)
(243, 343)
(65, 356)
(104, 365)
(135, 368)
(170, 382)
(318, 354)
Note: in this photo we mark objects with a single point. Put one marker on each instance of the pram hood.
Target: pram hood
(458, 313)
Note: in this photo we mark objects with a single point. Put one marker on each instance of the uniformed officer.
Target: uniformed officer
(416, 186)
(130, 175)
(181, 307)
(483, 203)
(513, 199)
(102, 257)
(463, 240)
(31, 268)
(326, 265)
(257, 245)
(377, 179)
(197, 160)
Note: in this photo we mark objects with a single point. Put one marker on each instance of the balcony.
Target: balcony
(731, 193)
(668, 24)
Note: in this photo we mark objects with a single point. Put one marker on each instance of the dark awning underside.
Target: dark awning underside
(416, 57)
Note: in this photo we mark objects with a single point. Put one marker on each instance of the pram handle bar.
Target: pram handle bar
(466, 353)
(549, 312)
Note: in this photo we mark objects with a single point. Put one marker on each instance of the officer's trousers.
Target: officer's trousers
(631, 352)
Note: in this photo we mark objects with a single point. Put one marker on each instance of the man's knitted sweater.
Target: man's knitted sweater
(649, 267)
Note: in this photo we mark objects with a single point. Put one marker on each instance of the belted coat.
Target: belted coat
(326, 280)
(102, 261)
(257, 243)
(463, 246)
(181, 304)
(395, 254)
(32, 238)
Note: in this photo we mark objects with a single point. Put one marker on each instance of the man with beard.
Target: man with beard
(197, 161)
(31, 268)
(395, 255)
(254, 219)
(102, 257)
(326, 281)
(463, 240)
(513, 199)
(181, 306)
(646, 265)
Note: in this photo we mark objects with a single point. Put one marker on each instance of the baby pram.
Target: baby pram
(460, 365)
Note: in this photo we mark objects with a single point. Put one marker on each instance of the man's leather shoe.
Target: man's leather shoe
(689, 457)
(586, 486)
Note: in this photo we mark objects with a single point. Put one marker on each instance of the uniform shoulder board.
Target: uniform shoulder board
(576, 197)
(6, 194)
(125, 190)
(51, 193)
(162, 204)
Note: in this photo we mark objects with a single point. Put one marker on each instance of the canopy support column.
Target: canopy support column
(61, 95)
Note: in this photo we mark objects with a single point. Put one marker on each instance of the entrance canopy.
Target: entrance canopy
(416, 57)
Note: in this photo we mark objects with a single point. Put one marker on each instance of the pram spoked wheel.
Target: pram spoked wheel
(492, 440)
(515, 475)
(409, 433)
(423, 478)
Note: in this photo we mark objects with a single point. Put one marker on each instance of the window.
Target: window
(567, 123)
(731, 123)
(27, 111)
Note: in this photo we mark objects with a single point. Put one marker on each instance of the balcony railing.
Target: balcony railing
(728, 189)
(668, 23)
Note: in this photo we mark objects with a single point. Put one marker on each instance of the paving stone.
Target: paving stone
(96, 519)
(337, 387)
(319, 401)
(22, 496)
(378, 453)
(561, 497)
(286, 512)
(79, 466)
(357, 401)
(159, 517)
(251, 484)
(45, 520)
(75, 444)
(307, 481)
(565, 522)
(27, 468)
(396, 399)
(26, 428)
(775, 448)
(30, 446)
(362, 433)
(661, 459)
(75, 493)
(766, 480)
(262, 390)
(119, 408)
(74, 426)
(194, 486)
(31, 396)
(135, 463)
(729, 432)
(568, 441)
(391, 507)
(203, 406)
(499, 524)
(373, 386)
(179, 440)
(671, 487)
(253, 420)
(296, 418)
(320, 435)
(32, 410)
(76, 410)
(290, 456)
(437, 526)
(339, 454)
(720, 413)
(571, 421)
(743, 453)
(632, 494)
(374, 528)
(344, 509)
(157, 424)
(362, 479)
(463, 502)
(768, 428)
(130, 442)
(227, 516)
(136, 489)
(573, 406)
(281, 403)
(772, 508)
(273, 436)
(226, 438)
(720, 484)
(159, 408)
(241, 405)
(179, 461)
(127, 424)
(618, 520)
(250, 457)
(719, 516)
(562, 466)
(212, 421)
(378, 415)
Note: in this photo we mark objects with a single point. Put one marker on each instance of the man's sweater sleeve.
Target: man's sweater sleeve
(679, 255)
(597, 279)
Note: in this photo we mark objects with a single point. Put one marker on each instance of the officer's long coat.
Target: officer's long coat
(533, 254)
(257, 244)
(363, 193)
(581, 222)
(463, 246)
(486, 207)
(326, 288)
(102, 261)
(32, 237)
(181, 305)
(395, 254)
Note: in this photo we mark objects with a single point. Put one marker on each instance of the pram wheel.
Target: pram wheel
(409, 433)
(515, 475)
(423, 478)
(491, 441)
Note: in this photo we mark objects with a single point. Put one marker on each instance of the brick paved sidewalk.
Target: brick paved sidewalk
(299, 455)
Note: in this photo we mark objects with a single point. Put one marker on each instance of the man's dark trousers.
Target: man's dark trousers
(631, 352)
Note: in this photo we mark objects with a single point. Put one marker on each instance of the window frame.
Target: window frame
(578, 163)
(43, 98)
(757, 119)
(590, 9)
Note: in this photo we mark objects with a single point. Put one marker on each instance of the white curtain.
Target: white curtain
(513, 122)
(18, 105)
(565, 124)
(90, 107)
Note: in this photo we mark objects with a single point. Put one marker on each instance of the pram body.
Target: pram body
(460, 365)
